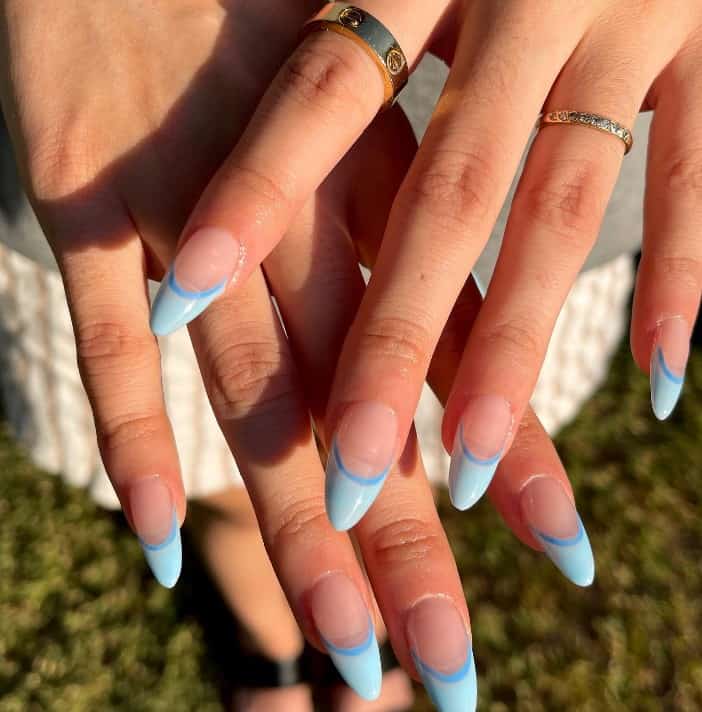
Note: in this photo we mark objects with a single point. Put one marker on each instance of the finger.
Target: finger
(404, 547)
(319, 103)
(554, 221)
(439, 224)
(253, 387)
(531, 489)
(669, 281)
(120, 367)
(417, 586)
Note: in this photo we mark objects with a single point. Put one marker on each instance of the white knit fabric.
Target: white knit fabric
(46, 406)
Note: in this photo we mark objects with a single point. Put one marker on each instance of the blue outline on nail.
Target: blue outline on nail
(356, 650)
(347, 495)
(365, 481)
(571, 555)
(469, 475)
(558, 541)
(168, 540)
(666, 386)
(477, 460)
(174, 307)
(186, 294)
(443, 677)
(666, 371)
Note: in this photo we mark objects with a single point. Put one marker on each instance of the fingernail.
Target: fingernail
(347, 631)
(479, 444)
(671, 349)
(443, 655)
(156, 523)
(360, 459)
(552, 518)
(199, 274)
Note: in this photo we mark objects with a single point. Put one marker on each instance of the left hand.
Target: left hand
(510, 60)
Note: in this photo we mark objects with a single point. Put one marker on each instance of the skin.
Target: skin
(118, 132)
(509, 61)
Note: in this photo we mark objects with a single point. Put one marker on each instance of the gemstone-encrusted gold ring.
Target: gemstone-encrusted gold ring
(595, 121)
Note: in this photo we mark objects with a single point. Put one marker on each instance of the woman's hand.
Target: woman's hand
(510, 61)
(120, 114)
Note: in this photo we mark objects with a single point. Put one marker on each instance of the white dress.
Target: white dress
(46, 407)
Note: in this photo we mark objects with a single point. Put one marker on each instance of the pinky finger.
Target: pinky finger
(670, 275)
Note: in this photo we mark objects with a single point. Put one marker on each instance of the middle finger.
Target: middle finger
(441, 219)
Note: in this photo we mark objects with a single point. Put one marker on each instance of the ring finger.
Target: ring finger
(554, 221)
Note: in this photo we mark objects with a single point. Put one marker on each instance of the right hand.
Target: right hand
(120, 113)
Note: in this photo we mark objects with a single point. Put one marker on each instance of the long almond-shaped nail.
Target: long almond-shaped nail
(199, 274)
(553, 520)
(479, 444)
(360, 459)
(443, 655)
(671, 349)
(347, 631)
(156, 523)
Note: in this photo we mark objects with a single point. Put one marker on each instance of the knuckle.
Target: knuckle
(106, 345)
(396, 339)
(685, 272)
(322, 76)
(517, 342)
(304, 517)
(249, 378)
(127, 429)
(683, 175)
(404, 541)
(569, 203)
(260, 188)
(61, 159)
(455, 189)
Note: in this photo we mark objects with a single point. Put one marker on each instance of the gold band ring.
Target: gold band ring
(595, 121)
(372, 36)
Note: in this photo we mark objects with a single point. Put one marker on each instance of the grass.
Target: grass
(84, 627)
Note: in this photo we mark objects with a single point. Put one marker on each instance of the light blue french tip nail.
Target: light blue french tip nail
(359, 666)
(455, 692)
(175, 307)
(666, 386)
(348, 496)
(572, 556)
(165, 559)
(469, 476)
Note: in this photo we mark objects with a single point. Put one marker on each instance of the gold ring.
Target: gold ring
(372, 36)
(595, 121)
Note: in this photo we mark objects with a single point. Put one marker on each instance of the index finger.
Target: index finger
(320, 102)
